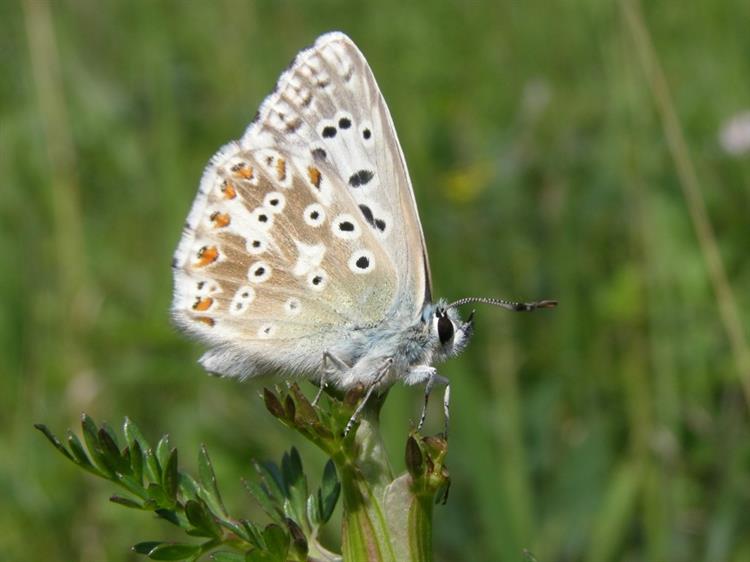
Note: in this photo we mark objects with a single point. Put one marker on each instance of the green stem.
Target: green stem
(365, 532)
(410, 519)
(384, 519)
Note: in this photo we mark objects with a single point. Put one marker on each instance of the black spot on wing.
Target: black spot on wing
(362, 262)
(360, 178)
(318, 153)
(367, 213)
(329, 132)
(370, 218)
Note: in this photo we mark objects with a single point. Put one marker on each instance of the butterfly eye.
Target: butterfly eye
(445, 329)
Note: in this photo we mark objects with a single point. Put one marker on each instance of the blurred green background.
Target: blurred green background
(614, 428)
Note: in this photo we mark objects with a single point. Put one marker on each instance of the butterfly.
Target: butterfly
(303, 252)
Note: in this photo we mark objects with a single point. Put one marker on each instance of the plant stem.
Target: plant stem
(365, 532)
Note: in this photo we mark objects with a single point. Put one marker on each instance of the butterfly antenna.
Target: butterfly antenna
(510, 305)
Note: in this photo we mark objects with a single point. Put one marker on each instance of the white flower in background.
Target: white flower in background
(735, 134)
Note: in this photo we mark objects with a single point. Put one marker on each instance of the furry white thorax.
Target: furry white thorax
(413, 346)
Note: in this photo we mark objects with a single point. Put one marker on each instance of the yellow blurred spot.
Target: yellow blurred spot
(465, 185)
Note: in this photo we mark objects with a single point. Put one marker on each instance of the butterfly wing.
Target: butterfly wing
(328, 103)
(304, 230)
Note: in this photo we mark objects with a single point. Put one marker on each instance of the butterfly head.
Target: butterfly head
(449, 334)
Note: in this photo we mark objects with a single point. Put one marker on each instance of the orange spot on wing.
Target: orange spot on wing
(314, 175)
(202, 304)
(220, 220)
(281, 169)
(243, 170)
(228, 190)
(207, 255)
(206, 320)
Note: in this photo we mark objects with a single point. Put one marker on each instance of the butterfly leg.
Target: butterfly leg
(382, 372)
(429, 376)
(337, 365)
(447, 412)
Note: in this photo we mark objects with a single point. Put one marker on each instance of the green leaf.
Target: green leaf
(291, 469)
(92, 443)
(134, 435)
(305, 411)
(55, 441)
(210, 489)
(136, 462)
(273, 405)
(290, 408)
(170, 476)
(298, 540)
(199, 517)
(126, 502)
(157, 494)
(313, 509)
(173, 551)
(145, 547)
(153, 470)
(112, 434)
(330, 489)
(126, 457)
(234, 527)
(277, 541)
(252, 533)
(162, 451)
(258, 555)
(188, 486)
(264, 498)
(223, 556)
(133, 487)
(295, 483)
(80, 454)
(111, 453)
(272, 477)
(171, 516)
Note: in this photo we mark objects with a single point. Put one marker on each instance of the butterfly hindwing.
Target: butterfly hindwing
(304, 229)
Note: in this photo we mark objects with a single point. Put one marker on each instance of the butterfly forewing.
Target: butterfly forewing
(306, 228)
(329, 105)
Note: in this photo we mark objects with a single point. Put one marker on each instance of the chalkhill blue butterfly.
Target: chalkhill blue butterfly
(303, 252)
